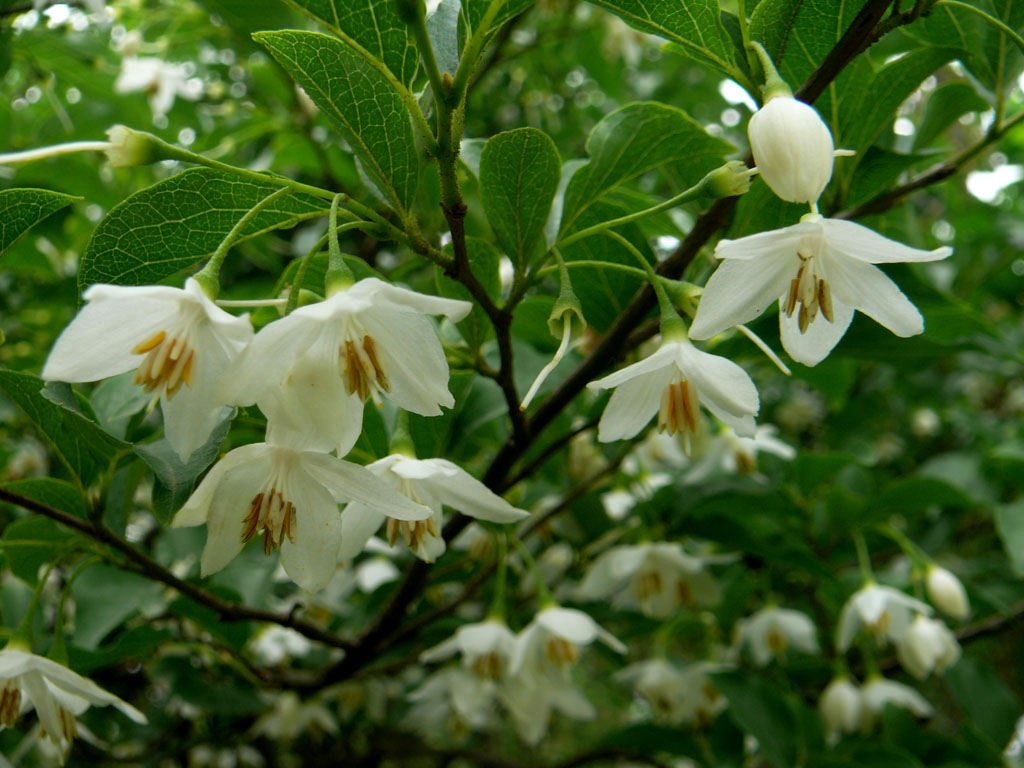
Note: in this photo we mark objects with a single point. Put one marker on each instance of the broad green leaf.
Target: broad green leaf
(443, 29)
(632, 140)
(484, 259)
(248, 16)
(877, 170)
(650, 739)
(1010, 525)
(85, 447)
(371, 28)
(946, 104)
(359, 102)
(519, 173)
(179, 221)
(22, 209)
(761, 711)
(116, 400)
(30, 543)
(474, 11)
(983, 695)
(175, 479)
(50, 491)
(105, 597)
(695, 26)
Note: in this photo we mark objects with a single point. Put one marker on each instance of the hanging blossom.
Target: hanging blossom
(927, 646)
(444, 706)
(770, 632)
(676, 695)
(432, 483)
(885, 612)
(180, 343)
(316, 367)
(673, 382)
(161, 81)
(545, 652)
(56, 693)
(820, 271)
(879, 691)
(656, 577)
(291, 497)
(842, 707)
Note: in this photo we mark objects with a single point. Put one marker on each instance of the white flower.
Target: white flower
(291, 717)
(657, 577)
(820, 270)
(445, 705)
(842, 707)
(56, 693)
(178, 339)
(885, 612)
(292, 497)
(676, 695)
(878, 692)
(160, 80)
(928, 645)
(792, 148)
(432, 483)
(770, 631)
(128, 148)
(731, 453)
(672, 382)
(311, 371)
(947, 593)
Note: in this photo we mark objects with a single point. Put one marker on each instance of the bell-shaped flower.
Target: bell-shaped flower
(57, 694)
(316, 367)
(162, 81)
(432, 483)
(772, 631)
(842, 707)
(792, 148)
(676, 695)
(885, 612)
(656, 577)
(291, 497)
(545, 652)
(445, 707)
(927, 646)
(673, 382)
(947, 593)
(180, 343)
(291, 717)
(820, 271)
(878, 691)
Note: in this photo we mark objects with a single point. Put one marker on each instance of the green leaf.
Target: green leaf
(474, 11)
(649, 739)
(58, 494)
(519, 173)
(632, 140)
(179, 221)
(760, 710)
(877, 170)
(484, 262)
(695, 26)
(946, 104)
(85, 447)
(1010, 525)
(105, 597)
(360, 103)
(22, 209)
(174, 478)
(371, 28)
(985, 698)
(443, 30)
(30, 543)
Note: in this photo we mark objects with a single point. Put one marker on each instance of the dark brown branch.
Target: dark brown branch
(550, 451)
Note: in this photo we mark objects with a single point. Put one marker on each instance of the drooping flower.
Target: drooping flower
(56, 693)
(885, 612)
(820, 270)
(672, 383)
(656, 577)
(180, 342)
(676, 695)
(291, 717)
(842, 707)
(161, 81)
(878, 691)
(947, 593)
(771, 631)
(444, 706)
(312, 370)
(927, 646)
(432, 483)
(291, 496)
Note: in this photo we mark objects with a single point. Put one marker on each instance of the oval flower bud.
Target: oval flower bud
(793, 149)
(946, 591)
(841, 707)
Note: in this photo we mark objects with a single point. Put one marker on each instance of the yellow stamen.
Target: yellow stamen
(271, 514)
(488, 666)
(10, 704)
(679, 408)
(561, 652)
(168, 362)
(808, 293)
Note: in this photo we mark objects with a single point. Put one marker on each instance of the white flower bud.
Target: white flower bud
(129, 148)
(927, 646)
(948, 594)
(841, 707)
(793, 149)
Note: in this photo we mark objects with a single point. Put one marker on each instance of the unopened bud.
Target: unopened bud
(129, 148)
(945, 590)
(793, 149)
(730, 180)
(841, 707)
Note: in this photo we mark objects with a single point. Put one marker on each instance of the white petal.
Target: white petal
(821, 336)
(444, 650)
(45, 705)
(351, 482)
(575, 626)
(527, 645)
(453, 309)
(866, 288)
(793, 149)
(849, 623)
(412, 358)
(271, 354)
(468, 495)
(69, 683)
(422, 469)
(228, 509)
(632, 405)
(312, 558)
(197, 508)
(723, 386)
(741, 289)
(663, 358)
(858, 242)
(358, 524)
(767, 245)
(600, 581)
(14, 663)
(569, 700)
(486, 637)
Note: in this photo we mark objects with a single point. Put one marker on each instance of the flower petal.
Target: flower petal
(850, 239)
(272, 352)
(766, 245)
(453, 309)
(45, 705)
(575, 626)
(468, 495)
(311, 559)
(741, 289)
(866, 287)
(632, 405)
(197, 509)
(663, 357)
(358, 524)
(723, 386)
(422, 469)
(351, 482)
(813, 345)
(226, 525)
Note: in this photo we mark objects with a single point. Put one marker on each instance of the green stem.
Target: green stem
(300, 274)
(419, 30)
(470, 54)
(863, 558)
(910, 549)
(339, 276)
(1017, 39)
(741, 15)
(498, 608)
(546, 598)
(671, 323)
(774, 85)
(209, 276)
(22, 634)
(58, 651)
(591, 263)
